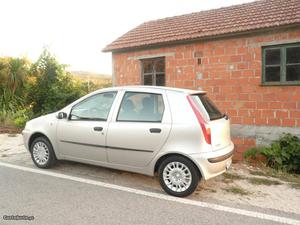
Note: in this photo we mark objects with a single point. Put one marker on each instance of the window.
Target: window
(143, 107)
(281, 64)
(211, 109)
(96, 107)
(153, 71)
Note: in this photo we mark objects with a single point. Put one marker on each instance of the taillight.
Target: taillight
(208, 134)
(204, 126)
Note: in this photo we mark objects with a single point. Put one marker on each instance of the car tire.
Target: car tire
(178, 176)
(42, 153)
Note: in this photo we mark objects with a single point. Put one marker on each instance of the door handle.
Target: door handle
(155, 130)
(98, 128)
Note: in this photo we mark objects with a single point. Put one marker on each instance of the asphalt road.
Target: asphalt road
(53, 200)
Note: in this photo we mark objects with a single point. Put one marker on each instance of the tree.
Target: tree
(18, 70)
(54, 87)
(13, 72)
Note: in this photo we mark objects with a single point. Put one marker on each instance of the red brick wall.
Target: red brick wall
(241, 144)
(231, 74)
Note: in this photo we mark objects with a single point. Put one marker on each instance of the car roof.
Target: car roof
(153, 88)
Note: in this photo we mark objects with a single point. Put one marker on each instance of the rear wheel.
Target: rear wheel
(178, 176)
(42, 153)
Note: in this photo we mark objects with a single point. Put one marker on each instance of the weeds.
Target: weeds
(237, 190)
(292, 179)
(232, 176)
(283, 154)
(257, 173)
(295, 185)
(263, 181)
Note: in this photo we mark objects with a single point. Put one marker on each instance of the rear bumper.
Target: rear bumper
(220, 158)
(212, 164)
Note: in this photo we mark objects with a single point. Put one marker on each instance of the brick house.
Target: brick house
(247, 57)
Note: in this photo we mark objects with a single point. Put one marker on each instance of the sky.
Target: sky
(76, 31)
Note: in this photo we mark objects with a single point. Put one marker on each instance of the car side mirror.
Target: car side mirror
(62, 115)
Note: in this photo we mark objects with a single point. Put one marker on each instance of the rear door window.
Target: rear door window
(212, 110)
(141, 107)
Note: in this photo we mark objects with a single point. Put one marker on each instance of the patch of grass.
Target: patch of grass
(293, 179)
(257, 173)
(237, 190)
(263, 181)
(232, 176)
(12, 135)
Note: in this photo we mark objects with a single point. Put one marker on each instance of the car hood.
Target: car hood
(41, 120)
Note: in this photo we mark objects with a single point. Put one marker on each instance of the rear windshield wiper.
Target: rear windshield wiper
(225, 116)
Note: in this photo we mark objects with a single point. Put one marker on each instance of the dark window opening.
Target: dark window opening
(281, 64)
(153, 71)
(272, 74)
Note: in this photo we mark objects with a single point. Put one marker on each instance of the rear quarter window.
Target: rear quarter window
(212, 110)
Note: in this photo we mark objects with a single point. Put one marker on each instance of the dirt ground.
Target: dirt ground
(243, 184)
(9, 129)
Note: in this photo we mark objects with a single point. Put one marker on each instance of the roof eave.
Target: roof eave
(185, 41)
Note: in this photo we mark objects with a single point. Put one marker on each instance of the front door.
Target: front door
(83, 135)
(139, 130)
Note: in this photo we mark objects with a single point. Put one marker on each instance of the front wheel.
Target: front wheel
(42, 153)
(178, 176)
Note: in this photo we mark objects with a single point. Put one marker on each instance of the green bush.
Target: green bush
(252, 153)
(21, 117)
(283, 154)
(54, 87)
(9, 102)
(5, 118)
(28, 90)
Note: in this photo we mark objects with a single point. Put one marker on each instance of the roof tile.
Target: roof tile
(234, 19)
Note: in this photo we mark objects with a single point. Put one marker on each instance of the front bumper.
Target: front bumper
(26, 135)
(212, 164)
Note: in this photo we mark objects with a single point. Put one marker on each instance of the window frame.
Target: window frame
(140, 121)
(283, 65)
(154, 73)
(85, 99)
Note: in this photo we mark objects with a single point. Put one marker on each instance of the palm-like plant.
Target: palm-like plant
(12, 75)
(18, 68)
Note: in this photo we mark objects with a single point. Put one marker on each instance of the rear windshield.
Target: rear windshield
(212, 110)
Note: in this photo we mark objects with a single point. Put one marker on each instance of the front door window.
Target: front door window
(96, 107)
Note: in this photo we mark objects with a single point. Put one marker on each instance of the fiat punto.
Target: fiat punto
(178, 134)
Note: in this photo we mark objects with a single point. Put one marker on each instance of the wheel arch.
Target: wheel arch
(37, 135)
(163, 157)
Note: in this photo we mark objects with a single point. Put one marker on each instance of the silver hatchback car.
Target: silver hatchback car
(178, 134)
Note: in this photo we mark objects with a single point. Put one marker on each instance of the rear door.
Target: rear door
(139, 129)
(218, 122)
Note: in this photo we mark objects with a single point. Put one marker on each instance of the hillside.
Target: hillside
(97, 79)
